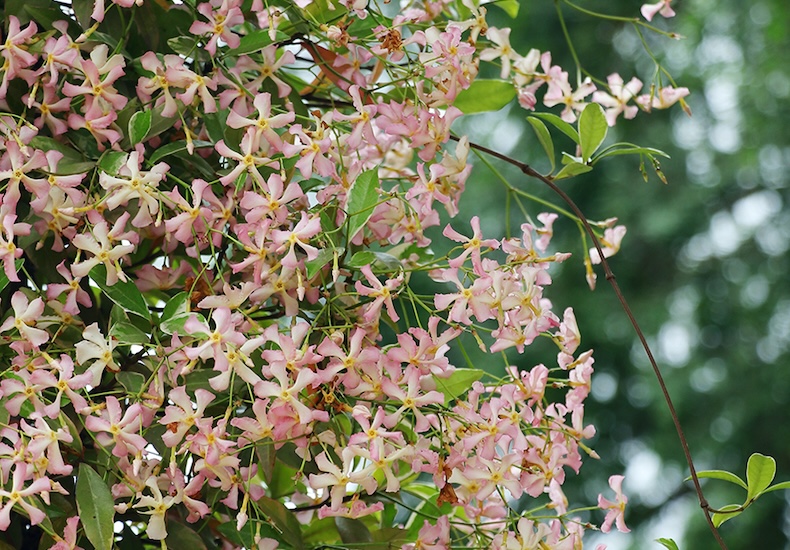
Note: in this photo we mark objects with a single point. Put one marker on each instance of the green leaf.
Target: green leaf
(544, 137)
(722, 475)
(760, 472)
(560, 125)
(176, 305)
(592, 130)
(485, 95)
(267, 458)
(668, 543)
(362, 197)
(458, 383)
(778, 487)
(175, 148)
(183, 537)
(624, 149)
(352, 531)
(160, 123)
(69, 168)
(134, 382)
(4, 279)
(95, 506)
(48, 144)
(324, 257)
(127, 333)
(719, 518)
(572, 169)
(82, 10)
(283, 520)
(139, 126)
(244, 537)
(319, 531)
(111, 162)
(176, 323)
(510, 7)
(123, 293)
(254, 41)
(379, 261)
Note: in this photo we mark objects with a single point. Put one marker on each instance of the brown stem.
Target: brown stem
(529, 171)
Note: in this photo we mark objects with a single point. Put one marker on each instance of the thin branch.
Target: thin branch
(529, 171)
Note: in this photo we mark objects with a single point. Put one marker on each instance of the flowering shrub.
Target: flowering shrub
(212, 213)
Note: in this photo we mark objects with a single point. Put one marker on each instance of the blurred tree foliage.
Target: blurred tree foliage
(705, 263)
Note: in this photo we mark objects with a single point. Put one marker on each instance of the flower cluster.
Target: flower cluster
(210, 245)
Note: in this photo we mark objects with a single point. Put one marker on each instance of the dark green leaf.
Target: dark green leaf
(4, 279)
(134, 382)
(379, 261)
(95, 506)
(160, 123)
(22, 9)
(485, 95)
(244, 537)
(544, 138)
(139, 126)
(127, 333)
(320, 531)
(353, 531)
(69, 168)
(49, 144)
(560, 125)
(267, 458)
(123, 293)
(362, 197)
(174, 148)
(458, 383)
(183, 537)
(186, 46)
(760, 472)
(592, 130)
(283, 520)
(82, 10)
(198, 379)
(324, 257)
(254, 41)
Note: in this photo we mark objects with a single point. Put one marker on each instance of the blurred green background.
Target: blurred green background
(704, 265)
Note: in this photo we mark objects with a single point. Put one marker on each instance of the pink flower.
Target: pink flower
(69, 539)
(219, 22)
(471, 245)
(15, 57)
(616, 509)
(98, 349)
(610, 243)
(135, 184)
(663, 7)
(621, 94)
(18, 495)
(101, 246)
(381, 294)
(26, 313)
(118, 427)
(8, 250)
(663, 98)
